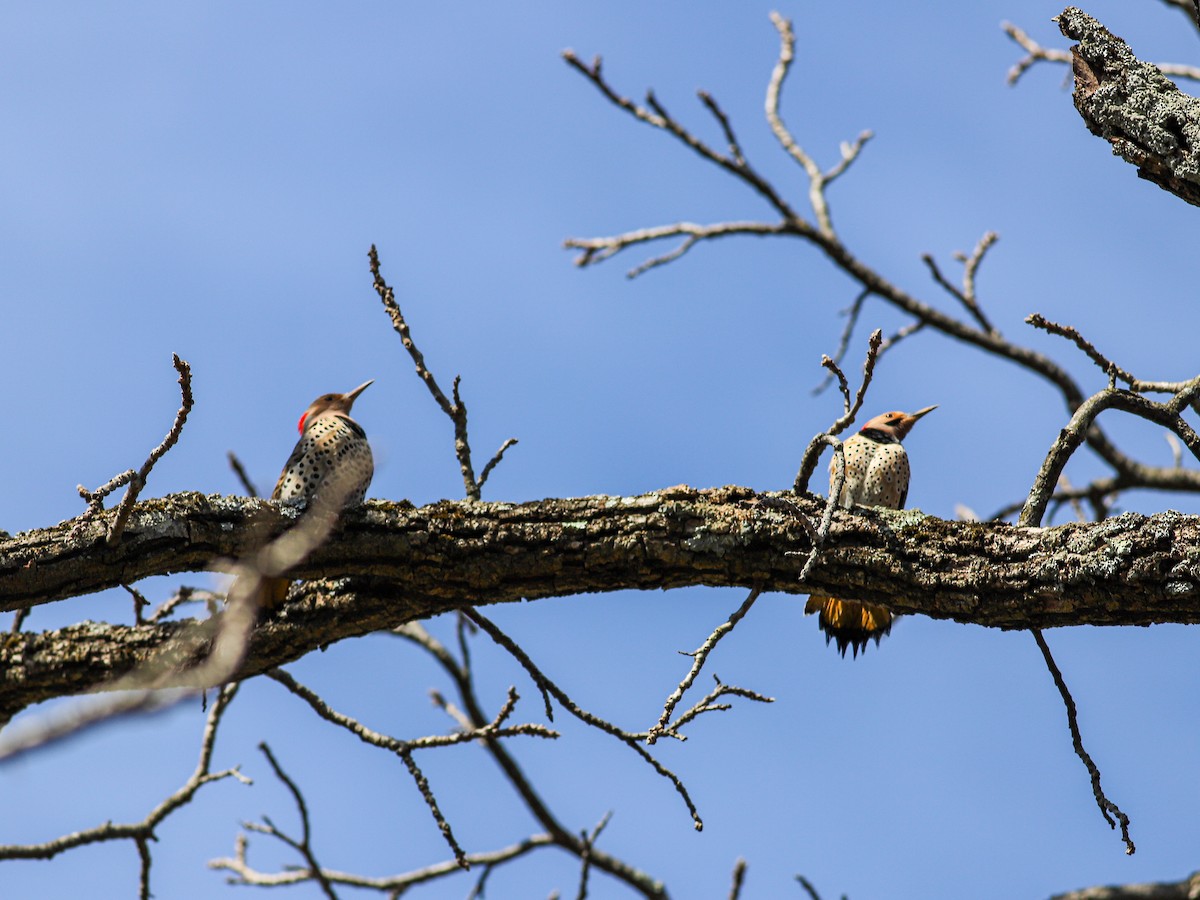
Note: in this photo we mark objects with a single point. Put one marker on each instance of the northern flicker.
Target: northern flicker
(332, 456)
(877, 474)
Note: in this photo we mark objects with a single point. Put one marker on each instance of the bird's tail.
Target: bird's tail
(269, 596)
(849, 622)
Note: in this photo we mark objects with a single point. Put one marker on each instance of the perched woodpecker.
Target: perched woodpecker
(877, 474)
(331, 455)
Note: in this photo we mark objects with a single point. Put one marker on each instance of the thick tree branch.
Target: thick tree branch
(1135, 107)
(451, 554)
(411, 563)
(1159, 890)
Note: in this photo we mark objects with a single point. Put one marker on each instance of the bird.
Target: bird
(877, 474)
(331, 461)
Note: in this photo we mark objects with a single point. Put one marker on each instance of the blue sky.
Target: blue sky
(206, 179)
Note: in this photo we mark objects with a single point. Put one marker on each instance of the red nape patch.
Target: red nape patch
(300, 425)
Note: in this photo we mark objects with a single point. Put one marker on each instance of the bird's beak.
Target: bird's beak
(910, 420)
(353, 395)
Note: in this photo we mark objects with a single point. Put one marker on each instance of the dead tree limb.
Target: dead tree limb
(1134, 106)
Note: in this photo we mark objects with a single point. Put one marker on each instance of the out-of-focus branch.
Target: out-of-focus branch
(141, 833)
(203, 654)
(1187, 889)
(739, 876)
(1035, 53)
(1190, 8)
(393, 885)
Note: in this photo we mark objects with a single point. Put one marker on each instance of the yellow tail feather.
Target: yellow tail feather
(850, 623)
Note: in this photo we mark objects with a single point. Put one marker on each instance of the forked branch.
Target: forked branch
(455, 410)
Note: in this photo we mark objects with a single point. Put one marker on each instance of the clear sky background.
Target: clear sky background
(206, 179)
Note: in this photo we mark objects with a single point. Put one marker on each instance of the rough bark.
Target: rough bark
(391, 563)
(1188, 889)
(1135, 107)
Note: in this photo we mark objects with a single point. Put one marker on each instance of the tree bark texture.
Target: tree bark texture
(1135, 107)
(390, 563)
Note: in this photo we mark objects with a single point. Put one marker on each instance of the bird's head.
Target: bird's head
(332, 403)
(896, 424)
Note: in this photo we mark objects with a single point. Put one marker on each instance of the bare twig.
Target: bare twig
(95, 499)
(708, 704)
(585, 857)
(1108, 809)
(491, 731)
(494, 461)
(303, 846)
(139, 481)
(463, 679)
(808, 462)
(141, 833)
(136, 480)
(735, 149)
(817, 179)
(240, 471)
(699, 657)
(596, 250)
(395, 885)
(851, 313)
(658, 119)
(739, 875)
(1110, 368)
(1035, 52)
(837, 481)
(183, 595)
(630, 739)
(139, 603)
(966, 294)
(456, 410)
(405, 748)
(808, 887)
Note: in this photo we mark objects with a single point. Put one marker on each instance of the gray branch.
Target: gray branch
(1131, 104)
(395, 563)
